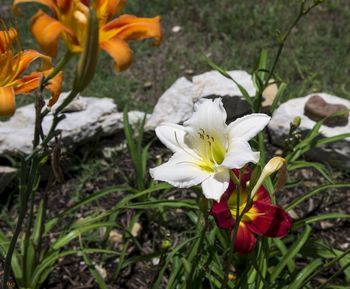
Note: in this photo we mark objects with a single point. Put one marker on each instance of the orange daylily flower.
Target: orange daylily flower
(12, 67)
(70, 22)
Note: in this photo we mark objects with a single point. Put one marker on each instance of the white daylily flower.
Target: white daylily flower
(206, 149)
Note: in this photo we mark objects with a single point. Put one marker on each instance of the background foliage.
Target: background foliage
(233, 33)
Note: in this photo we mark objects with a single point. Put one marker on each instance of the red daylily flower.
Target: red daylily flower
(261, 218)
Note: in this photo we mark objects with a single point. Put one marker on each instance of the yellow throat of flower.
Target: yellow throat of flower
(9, 63)
(76, 19)
(233, 203)
(211, 151)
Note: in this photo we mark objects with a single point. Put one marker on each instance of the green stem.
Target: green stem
(26, 185)
(38, 131)
(200, 247)
(27, 240)
(66, 58)
(235, 230)
(11, 249)
(282, 42)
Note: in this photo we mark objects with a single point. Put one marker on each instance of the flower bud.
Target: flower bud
(166, 244)
(274, 165)
(296, 122)
(231, 277)
(88, 59)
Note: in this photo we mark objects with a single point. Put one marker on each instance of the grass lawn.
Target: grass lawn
(230, 32)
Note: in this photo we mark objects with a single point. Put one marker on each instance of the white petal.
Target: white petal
(210, 116)
(248, 126)
(215, 186)
(239, 154)
(172, 136)
(180, 171)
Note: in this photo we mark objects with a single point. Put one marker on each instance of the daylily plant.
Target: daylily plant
(70, 19)
(261, 217)
(206, 149)
(13, 66)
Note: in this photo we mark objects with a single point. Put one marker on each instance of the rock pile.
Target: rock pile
(337, 153)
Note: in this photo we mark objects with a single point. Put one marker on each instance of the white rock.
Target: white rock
(336, 154)
(176, 104)
(176, 29)
(101, 270)
(136, 229)
(213, 83)
(89, 118)
(115, 237)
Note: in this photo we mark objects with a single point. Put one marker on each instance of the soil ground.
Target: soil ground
(105, 170)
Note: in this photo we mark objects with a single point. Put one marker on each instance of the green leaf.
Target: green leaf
(295, 165)
(94, 197)
(283, 249)
(141, 258)
(186, 264)
(173, 278)
(98, 278)
(37, 230)
(305, 273)
(47, 264)
(314, 192)
(335, 138)
(291, 253)
(15, 262)
(318, 218)
(280, 93)
(191, 204)
(62, 241)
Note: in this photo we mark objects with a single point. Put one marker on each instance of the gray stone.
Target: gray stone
(88, 118)
(316, 108)
(176, 104)
(336, 154)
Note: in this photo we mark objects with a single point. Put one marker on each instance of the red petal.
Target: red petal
(222, 215)
(269, 220)
(263, 196)
(245, 239)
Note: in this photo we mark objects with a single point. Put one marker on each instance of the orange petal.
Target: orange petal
(47, 31)
(23, 60)
(129, 27)
(120, 52)
(6, 39)
(32, 81)
(28, 83)
(54, 86)
(107, 8)
(7, 101)
(64, 5)
(49, 3)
